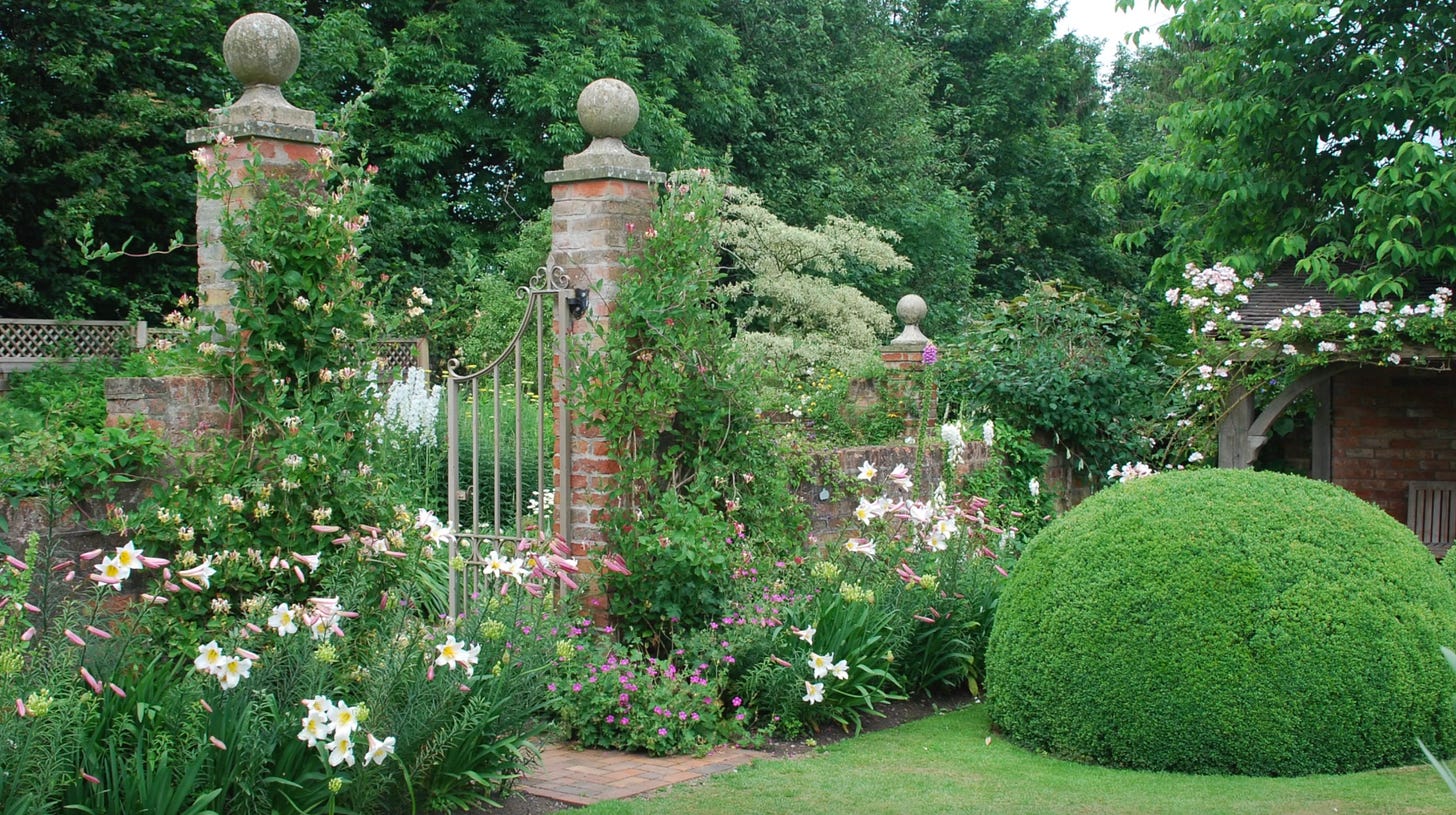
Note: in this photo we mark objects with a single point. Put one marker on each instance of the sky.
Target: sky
(1100, 19)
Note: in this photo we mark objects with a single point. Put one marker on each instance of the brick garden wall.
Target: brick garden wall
(1391, 426)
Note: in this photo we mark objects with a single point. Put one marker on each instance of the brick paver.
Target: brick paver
(582, 777)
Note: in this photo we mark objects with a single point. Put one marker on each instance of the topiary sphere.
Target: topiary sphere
(1226, 621)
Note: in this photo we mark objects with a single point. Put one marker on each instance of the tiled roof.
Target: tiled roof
(1282, 289)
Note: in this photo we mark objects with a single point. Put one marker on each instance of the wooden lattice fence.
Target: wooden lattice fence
(26, 343)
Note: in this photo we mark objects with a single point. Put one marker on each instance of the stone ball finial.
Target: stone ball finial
(261, 49)
(911, 309)
(607, 109)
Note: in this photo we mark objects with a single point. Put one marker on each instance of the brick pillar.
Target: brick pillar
(262, 52)
(904, 356)
(595, 196)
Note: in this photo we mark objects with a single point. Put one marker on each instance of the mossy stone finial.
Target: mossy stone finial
(262, 51)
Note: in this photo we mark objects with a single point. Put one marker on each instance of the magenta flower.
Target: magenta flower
(930, 354)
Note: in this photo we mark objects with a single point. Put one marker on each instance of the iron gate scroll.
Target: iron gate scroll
(505, 422)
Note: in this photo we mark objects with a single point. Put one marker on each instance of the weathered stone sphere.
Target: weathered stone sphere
(607, 109)
(261, 49)
(911, 309)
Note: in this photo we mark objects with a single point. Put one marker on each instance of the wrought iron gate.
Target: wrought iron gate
(504, 424)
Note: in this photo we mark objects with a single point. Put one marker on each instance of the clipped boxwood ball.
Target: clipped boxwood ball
(1226, 621)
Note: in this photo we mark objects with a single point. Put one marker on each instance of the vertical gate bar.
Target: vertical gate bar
(559, 374)
(474, 468)
(495, 385)
(542, 398)
(518, 409)
(452, 486)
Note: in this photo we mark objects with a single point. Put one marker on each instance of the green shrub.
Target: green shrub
(1225, 621)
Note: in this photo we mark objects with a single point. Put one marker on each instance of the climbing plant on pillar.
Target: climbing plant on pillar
(697, 476)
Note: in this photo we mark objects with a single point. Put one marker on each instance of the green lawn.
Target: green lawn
(942, 764)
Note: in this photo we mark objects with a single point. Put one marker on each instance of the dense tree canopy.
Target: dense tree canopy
(1320, 133)
(966, 127)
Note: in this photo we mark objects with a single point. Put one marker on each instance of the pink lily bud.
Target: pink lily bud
(20, 707)
(154, 599)
(89, 777)
(324, 529)
(430, 672)
(205, 705)
(91, 680)
(74, 637)
(781, 661)
(383, 600)
(116, 690)
(171, 587)
(110, 581)
(247, 654)
(922, 618)
(31, 607)
(342, 541)
(71, 575)
(216, 742)
(464, 688)
(102, 633)
(1001, 570)
(560, 547)
(535, 589)
(394, 554)
(189, 584)
(567, 581)
(297, 572)
(29, 632)
(92, 555)
(253, 627)
(65, 564)
(614, 562)
(16, 563)
(154, 562)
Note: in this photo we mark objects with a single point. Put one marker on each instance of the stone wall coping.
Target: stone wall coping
(255, 128)
(597, 173)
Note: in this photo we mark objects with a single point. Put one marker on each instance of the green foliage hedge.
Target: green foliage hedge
(1221, 621)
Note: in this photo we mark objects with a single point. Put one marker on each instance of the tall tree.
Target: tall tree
(94, 98)
(842, 125)
(1320, 133)
(1018, 107)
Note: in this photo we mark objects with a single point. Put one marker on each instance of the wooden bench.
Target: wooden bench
(1431, 512)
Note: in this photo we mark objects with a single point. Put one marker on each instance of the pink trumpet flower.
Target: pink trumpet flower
(311, 561)
(906, 573)
(614, 562)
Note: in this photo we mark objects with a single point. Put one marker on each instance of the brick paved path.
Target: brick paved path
(587, 776)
